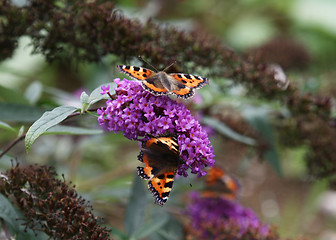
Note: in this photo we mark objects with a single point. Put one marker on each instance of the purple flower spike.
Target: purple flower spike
(137, 113)
(217, 218)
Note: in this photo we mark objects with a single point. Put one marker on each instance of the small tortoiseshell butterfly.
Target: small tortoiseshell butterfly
(161, 158)
(162, 83)
(220, 184)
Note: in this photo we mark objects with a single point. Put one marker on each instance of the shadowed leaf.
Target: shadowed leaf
(135, 212)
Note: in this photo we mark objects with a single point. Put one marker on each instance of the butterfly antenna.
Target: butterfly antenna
(169, 66)
(148, 63)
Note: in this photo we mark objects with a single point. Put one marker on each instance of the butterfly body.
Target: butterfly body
(161, 158)
(161, 83)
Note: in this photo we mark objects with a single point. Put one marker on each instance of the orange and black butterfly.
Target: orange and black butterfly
(161, 158)
(219, 184)
(161, 83)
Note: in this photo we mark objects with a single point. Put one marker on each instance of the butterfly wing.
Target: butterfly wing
(154, 86)
(220, 184)
(186, 83)
(138, 73)
(190, 80)
(180, 84)
(161, 158)
(161, 187)
(148, 78)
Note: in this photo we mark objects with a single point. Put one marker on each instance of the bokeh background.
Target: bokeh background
(298, 35)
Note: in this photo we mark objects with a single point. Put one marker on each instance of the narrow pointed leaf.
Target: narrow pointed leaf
(227, 131)
(48, 120)
(7, 212)
(150, 227)
(135, 212)
(259, 120)
(14, 219)
(6, 126)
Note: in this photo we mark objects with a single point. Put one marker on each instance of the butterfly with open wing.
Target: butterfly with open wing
(161, 83)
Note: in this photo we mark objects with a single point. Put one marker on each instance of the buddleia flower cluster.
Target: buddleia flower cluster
(220, 218)
(138, 114)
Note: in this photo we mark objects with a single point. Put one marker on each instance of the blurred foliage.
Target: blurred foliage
(271, 96)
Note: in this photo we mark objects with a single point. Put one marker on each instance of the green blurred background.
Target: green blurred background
(299, 35)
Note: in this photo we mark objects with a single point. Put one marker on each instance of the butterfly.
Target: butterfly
(161, 83)
(161, 158)
(219, 184)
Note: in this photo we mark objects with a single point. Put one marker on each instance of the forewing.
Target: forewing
(138, 73)
(190, 80)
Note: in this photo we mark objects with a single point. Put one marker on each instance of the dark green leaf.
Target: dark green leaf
(150, 227)
(7, 212)
(48, 120)
(68, 130)
(258, 119)
(13, 220)
(19, 112)
(117, 234)
(225, 130)
(135, 212)
(171, 230)
(30, 234)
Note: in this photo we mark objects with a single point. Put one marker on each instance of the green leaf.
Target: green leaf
(13, 220)
(171, 230)
(31, 235)
(48, 120)
(135, 212)
(19, 112)
(7, 212)
(5, 126)
(227, 131)
(258, 119)
(8, 95)
(150, 227)
(33, 92)
(84, 98)
(21, 130)
(117, 234)
(68, 130)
